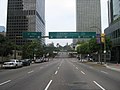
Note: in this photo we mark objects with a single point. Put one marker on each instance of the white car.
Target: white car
(13, 63)
(38, 60)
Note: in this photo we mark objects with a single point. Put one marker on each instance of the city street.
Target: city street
(60, 45)
(61, 73)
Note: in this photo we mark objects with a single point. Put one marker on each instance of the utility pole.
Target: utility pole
(15, 48)
(103, 38)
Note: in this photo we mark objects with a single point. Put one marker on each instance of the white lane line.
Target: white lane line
(76, 67)
(5, 82)
(48, 85)
(60, 64)
(82, 72)
(56, 72)
(58, 67)
(104, 72)
(30, 72)
(99, 85)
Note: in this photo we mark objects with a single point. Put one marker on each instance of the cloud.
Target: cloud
(60, 16)
(61, 13)
(66, 4)
(3, 12)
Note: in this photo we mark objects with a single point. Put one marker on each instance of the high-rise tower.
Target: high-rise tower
(88, 16)
(113, 31)
(25, 16)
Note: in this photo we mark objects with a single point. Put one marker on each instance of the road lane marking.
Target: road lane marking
(58, 67)
(60, 64)
(104, 72)
(5, 82)
(76, 67)
(48, 85)
(56, 72)
(82, 72)
(30, 72)
(99, 85)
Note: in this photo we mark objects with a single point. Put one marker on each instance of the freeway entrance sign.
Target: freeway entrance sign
(68, 35)
(32, 35)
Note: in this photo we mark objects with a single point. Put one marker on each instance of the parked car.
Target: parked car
(26, 62)
(91, 59)
(13, 63)
(38, 60)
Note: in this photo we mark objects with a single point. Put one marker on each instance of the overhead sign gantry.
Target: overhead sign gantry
(71, 35)
(60, 35)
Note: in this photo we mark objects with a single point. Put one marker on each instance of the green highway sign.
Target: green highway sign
(68, 35)
(31, 35)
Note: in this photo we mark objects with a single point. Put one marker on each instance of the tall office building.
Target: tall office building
(113, 31)
(25, 16)
(88, 16)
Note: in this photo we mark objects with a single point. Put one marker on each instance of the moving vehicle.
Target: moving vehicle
(13, 63)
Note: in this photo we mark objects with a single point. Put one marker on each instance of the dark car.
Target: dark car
(26, 62)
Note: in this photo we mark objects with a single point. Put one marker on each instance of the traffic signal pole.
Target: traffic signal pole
(103, 40)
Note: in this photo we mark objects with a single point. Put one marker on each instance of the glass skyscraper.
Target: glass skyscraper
(113, 31)
(116, 9)
(25, 16)
(88, 16)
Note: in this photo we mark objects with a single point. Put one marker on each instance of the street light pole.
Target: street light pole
(15, 48)
(104, 42)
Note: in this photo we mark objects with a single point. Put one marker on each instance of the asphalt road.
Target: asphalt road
(61, 73)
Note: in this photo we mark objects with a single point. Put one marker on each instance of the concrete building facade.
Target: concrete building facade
(113, 31)
(25, 16)
(88, 16)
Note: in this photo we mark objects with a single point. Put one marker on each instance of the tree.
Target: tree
(50, 49)
(93, 46)
(32, 48)
(6, 46)
(83, 48)
(108, 43)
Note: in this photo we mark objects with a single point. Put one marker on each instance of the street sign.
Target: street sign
(98, 38)
(68, 35)
(32, 35)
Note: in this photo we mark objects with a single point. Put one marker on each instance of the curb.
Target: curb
(112, 68)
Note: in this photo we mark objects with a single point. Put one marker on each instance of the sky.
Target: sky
(60, 16)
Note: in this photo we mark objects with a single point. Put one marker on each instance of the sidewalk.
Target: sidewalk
(111, 66)
(115, 67)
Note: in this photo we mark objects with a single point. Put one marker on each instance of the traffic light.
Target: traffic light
(103, 38)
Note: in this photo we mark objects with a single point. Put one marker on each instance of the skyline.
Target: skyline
(60, 16)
